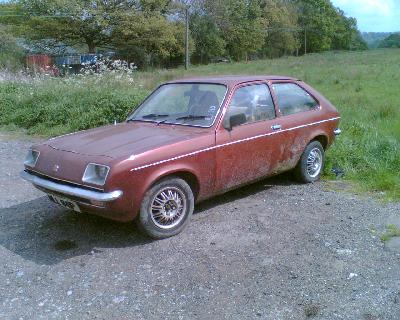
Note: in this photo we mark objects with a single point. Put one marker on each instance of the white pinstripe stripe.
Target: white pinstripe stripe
(230, 143)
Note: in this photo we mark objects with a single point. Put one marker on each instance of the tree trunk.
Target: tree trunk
(91, 46)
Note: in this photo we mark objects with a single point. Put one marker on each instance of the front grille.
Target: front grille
(63, 182)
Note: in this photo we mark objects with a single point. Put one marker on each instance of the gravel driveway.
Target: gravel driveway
(273, 250)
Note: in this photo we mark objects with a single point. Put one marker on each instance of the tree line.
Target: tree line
(151, 33)
(392, 41)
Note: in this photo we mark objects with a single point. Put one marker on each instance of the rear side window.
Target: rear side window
(254, 101)
(293, 99)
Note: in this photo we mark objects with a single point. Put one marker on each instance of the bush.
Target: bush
(50, 106)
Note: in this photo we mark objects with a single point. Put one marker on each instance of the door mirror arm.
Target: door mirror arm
(227, 125)
(234, 121)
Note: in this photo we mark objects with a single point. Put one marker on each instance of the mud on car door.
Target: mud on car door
(298, 112)
(246, 141)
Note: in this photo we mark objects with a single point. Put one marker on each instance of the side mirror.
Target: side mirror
(234, 121)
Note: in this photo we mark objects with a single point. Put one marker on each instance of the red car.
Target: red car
(188, 141)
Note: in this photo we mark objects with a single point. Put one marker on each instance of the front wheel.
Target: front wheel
(311, 163)
(166, 208)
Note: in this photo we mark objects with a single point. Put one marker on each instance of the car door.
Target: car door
(247, 152)
(297, 111)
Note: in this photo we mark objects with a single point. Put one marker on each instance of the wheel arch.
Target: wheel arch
(185, 174)
(321, 138)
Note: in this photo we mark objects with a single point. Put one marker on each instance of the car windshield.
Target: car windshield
(195, 104)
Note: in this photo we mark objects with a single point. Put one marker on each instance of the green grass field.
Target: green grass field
(365, 87)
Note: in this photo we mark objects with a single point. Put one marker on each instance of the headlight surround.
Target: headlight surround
(96, 174)
(31, 158)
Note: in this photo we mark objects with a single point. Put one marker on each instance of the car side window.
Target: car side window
(254, 101)
(293, 99)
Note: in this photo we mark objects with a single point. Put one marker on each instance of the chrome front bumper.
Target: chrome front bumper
(71, 190)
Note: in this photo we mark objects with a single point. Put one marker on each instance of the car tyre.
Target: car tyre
(166, 208)
(311, 163)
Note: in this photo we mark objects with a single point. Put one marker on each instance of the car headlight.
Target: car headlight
(95, 174)
(31, 158)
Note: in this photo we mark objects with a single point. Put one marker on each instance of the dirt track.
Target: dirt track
(273, 250)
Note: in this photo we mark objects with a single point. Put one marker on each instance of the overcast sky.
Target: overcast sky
(373, 15)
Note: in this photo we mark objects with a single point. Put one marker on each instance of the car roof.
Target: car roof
(231, 80)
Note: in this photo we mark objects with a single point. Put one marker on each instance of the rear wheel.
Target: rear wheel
(311, 163)
(166, 208)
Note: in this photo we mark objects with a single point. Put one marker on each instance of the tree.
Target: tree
(73, 21)
(11, 53)
(316, 19)
(326, 26)
(241, 24)
(154, 6)
(148, 39)
(207, 37)
(281, 38)
(392, 41)
(152, 32)
(346, 35)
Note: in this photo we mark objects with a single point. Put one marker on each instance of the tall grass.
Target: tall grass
(365, 87)
(50, 106)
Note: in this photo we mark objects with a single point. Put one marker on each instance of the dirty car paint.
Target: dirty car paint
(214, 159)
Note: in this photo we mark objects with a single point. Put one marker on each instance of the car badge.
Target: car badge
(56, 167)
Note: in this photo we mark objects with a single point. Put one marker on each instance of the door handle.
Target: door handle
(276, 127)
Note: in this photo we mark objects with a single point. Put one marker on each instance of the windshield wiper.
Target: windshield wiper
(162, 121)
(154, 115)
(149, 116)
(133, 119)
(191, 117)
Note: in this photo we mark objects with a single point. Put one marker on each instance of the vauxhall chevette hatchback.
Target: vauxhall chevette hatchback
(189, 140)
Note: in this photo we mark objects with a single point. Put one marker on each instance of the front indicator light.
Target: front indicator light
(96, 174)
(31, 158)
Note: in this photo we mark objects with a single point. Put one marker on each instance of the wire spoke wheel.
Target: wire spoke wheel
(168, 207)
(314, 162)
